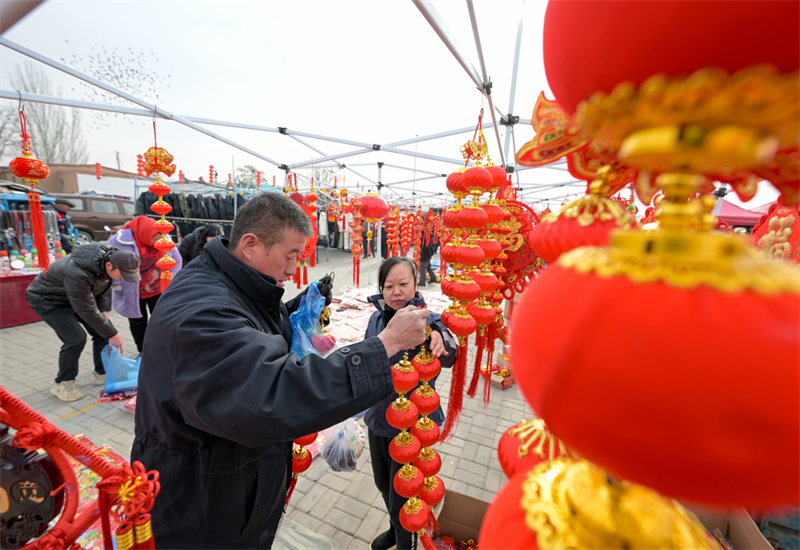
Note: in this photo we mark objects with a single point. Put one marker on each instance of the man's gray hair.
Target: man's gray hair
(267, 216)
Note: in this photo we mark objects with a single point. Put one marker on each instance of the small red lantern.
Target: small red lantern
(414, 515)
(426, 431)
(433, 491)
(98, 171)
(404, 448)
(404, 377)
(139, 165)
(425, 398)
(408, 481)
(211, 173)
(465, 290)
(455, 183)
(494, 213)
(258, 179)
(428, 462)
(301, 460)
(428, 367)
(306, 439)
(402, 413)
(459, 321)
(478, 180)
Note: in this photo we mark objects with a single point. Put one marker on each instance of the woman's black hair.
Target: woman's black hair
(388, 264)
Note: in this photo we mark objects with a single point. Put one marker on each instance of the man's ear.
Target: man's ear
(247, 246)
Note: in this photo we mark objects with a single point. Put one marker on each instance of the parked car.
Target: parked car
(93, 214)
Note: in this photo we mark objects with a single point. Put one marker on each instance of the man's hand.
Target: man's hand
(325, 287)
(405, 331)
(116, 341)
(437, 344)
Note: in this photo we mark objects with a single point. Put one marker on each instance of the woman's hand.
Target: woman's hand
(437, 344)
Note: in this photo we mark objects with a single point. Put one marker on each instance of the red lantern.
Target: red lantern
(504, 526)
(469, 254)
(426, 431)
(428, 462)
(404, 377)
(29, 168)
(414, 515)
(427, 368)
(402, 413)
(552, 237)
(373, 208)
(301, 460)
(601, 35)
(465, 290)
(499, 176)
(472, 217)
(494, 213)
(491, 248)
(433, 491)
(482, 312)
(258, 179)
(486, 280)
(425, 398)
(306, 439)
(408, 481)
(181, 179)
(404, 448)
(455, 183)
(526, 444)
(211, 174)
(459, 322)
(478, 180)
(699, 404)
(98, 170)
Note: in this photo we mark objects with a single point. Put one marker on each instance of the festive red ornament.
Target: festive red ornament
(301, 460)
(98, 170)
(306, 439)
(425, 398)
(402, 413)
(472, 217)
(600, 34)
(526, 444)
(469, 254)
(504, 526)
(433, 491)
(404, 447)
(499, 176)
(482, 312)
(494, 214)
(450, 218)
(414, 515)
(428, 368)
(373, 208)
(459, 322)
(455, 183)
(408, 481)
(698, 404)
(491, 248)
(404, 378)
(161, 208)
(428, 462)
(29, 169)
(157, 160)
(550, 239)
(464, 290)
(478, 180)
(426, 431)
(487, 280)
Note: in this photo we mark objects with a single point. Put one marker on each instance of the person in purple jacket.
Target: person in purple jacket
(397, 283)
(132, 300)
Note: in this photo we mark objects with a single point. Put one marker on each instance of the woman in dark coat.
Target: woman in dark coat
(397, 284)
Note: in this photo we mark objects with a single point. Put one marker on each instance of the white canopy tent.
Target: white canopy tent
(410, 170)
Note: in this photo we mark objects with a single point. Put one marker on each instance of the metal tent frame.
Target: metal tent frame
(396, 190)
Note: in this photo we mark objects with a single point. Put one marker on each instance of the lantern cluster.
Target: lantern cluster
(181, 177)
(416, 480)
(373, 209)
(419, 225)
(356, 228)
(392, 228)
(32, 170)
(407, 232)
(211, 174)
(258, 179)
(98, 171)
(158, 161)
(139, 165)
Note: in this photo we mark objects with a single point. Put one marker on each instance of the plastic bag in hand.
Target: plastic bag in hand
(343, 445)
(308, 336)
(122, 373)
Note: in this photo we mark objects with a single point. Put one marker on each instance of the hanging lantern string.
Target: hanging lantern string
(155, 137)
(26, 137)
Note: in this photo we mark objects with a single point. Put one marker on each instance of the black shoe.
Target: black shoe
(384, 541)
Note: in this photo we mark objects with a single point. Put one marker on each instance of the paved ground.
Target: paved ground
(343, 507)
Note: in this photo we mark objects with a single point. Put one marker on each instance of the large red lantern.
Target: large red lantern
(619, 41)
(373, 208)
(703, 416)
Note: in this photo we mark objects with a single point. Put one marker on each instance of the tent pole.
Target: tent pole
(378, 231)
(513, 94)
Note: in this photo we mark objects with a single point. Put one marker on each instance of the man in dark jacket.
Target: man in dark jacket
(74, 293)
(192, 245)
(221, 397)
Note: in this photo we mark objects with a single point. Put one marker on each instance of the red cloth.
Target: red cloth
(143, 229)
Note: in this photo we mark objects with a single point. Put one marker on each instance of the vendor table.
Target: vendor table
(14, 310)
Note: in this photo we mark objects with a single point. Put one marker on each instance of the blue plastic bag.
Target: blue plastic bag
(307, 334)
(122, 373)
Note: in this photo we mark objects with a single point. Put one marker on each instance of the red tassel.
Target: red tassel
(143, 533)
(456, 403)
(427, 542)
(305, 274)
(166, 279)
(490, 338)
(297, 277)
(313, 259)
(289, 492)
(39, 235)
(354, 272)
(432, 527)
(480, 341)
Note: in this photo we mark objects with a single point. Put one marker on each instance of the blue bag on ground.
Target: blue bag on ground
(122, 373)
(307, 334)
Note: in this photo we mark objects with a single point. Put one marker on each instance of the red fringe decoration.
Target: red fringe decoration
(358, 272)
(297, 277)
(490, 338)
(427, 542)
(37, 224)
(166, 279)
(289, 492)
(143, 533)
(354, 272)
(480, 342)
(305, 274)
(456, 403)
(432, 527)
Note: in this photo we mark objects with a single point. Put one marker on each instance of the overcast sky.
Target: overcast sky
(367, 71)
